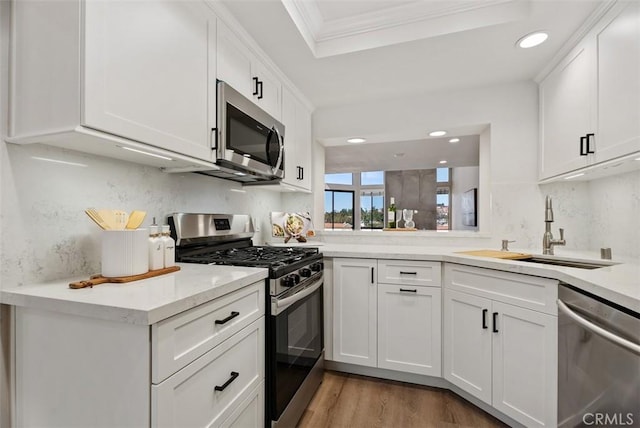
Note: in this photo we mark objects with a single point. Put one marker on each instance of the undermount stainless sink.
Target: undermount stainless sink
(574, 263)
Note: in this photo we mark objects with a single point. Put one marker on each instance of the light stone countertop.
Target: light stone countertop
(142, 302)
(619, 284)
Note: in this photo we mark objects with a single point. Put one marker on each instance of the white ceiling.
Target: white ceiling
(452, 45)
(405, 155)
(341, 52)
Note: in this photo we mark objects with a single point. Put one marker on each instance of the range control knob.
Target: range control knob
(305, 272)
(296, 278)
(288, 281)
(317, 267)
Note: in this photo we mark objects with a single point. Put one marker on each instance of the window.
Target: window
(340, 178)
(371, 210)
(372, 178)
(354, 200)
(338, 207)
(443, 199)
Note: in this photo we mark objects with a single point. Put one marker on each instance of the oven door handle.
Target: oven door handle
(627, 344)
(279, 306)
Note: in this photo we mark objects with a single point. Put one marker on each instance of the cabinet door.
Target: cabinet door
(269, 96)
(467, 343)
(289, 121)
(147, 71)
(618, 87)
(409, 329)
(354, 311)
(234, 62)
(566, 111)
(304, 146)
(525, 365)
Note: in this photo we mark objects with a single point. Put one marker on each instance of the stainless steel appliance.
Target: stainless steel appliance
(294, 351)
(598, 361)
(249, 143)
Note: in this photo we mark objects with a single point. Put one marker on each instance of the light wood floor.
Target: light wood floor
(345, 400)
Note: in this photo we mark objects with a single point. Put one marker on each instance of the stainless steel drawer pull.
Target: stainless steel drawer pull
(233, 377)
(229, 318)
(408, 273)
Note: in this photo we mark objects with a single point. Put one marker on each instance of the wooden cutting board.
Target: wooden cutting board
(508, 255)
(99, 279)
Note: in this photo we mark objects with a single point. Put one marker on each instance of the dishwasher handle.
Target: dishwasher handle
(626, 344)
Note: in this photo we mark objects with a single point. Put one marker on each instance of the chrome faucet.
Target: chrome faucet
(547, 240)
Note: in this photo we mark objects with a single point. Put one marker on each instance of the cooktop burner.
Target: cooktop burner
(271, 257)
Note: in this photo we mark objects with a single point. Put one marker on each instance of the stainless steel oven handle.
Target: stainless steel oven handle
(627, 344)
(279, 306)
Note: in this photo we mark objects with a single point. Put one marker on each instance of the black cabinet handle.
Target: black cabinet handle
(588, 137)
(495, 322)
(583, 146)
(408, 273)
(255, 86)
(260, 86)
(484, 318)
(229, 318)
(300, 173)
(233, 377)
(408, 291)
(372, 279)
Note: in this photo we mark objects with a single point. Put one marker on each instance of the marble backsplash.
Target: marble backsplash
(45, 190)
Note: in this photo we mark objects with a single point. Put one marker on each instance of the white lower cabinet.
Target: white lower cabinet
(409, 329)
(501, 353)
(392, 326)
(205, 392)
(354, 311)
(201, 367)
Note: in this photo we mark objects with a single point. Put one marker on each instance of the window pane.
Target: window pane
(343, 210)
(372, 178)
(372, 210)
(442, 175)
(442, 208)
(339, 178)
(328, 209)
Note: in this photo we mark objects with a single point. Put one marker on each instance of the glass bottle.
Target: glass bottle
(391, 213)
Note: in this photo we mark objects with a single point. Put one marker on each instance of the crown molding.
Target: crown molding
(403, 23)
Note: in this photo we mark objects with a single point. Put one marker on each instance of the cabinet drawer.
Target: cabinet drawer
(409, 272)
(249, 413)
(210, 389)
(526, 291)
(178, 340)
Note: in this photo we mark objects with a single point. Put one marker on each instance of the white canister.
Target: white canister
(125, 252)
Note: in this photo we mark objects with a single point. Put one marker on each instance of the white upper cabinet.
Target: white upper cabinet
(140, 71)
(618, 88)
(297, 142)
(589, 102)
(239, 67)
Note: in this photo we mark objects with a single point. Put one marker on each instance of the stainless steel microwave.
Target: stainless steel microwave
(249, 143)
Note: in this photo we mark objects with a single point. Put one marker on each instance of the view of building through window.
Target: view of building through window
(366, 212)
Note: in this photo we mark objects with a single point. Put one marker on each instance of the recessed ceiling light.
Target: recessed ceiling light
(437, 133)
(533, 39)
(442, 162)
(574, 176)
(398, 155)
(454, 140)
(356, 140)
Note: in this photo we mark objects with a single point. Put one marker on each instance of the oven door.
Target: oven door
(295, 344)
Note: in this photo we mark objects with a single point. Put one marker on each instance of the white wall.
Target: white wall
(46, 234)
(600, 213)
(462, 180)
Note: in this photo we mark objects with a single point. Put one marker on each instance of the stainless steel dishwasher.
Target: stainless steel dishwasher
(598, 362)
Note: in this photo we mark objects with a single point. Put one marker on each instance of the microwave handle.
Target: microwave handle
(280, 150)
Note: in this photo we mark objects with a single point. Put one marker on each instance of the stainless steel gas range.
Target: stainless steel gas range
(294, 351)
